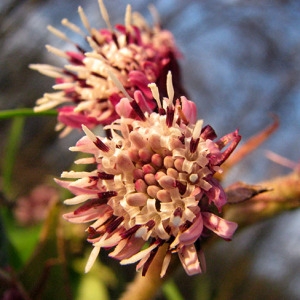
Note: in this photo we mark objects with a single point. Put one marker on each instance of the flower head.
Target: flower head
(136, 53)
(152, 184)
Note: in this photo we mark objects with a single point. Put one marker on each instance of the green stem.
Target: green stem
(25, 112)
(145, 287)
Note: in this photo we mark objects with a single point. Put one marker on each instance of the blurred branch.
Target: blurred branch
(145, 287)
(283, 194)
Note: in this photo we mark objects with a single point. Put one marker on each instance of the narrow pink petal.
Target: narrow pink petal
(138, 256)
(189, 260)
(123, 108)
(102, 213)
(127, 248)
(216, 194)
(67, 116)
(221, 227)
(189, 109)
(193, 233)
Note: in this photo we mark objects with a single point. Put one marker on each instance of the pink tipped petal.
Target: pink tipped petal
(138, 256)
(216, 194)
(193, 233)
(189, 260)
(140, 80)
(101, 214)
(67, 116)
(127, 248)
(123, 108)
(223, 228)
(189, 109)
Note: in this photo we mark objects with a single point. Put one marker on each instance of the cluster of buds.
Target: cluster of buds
(152, 180)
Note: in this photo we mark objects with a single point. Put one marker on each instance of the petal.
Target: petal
(92, 259)
(189, 109)
(99, 213)
(138, 256)
(192, 233)
(189, 260)
(127, 248)
(216, 194)
(221, 227)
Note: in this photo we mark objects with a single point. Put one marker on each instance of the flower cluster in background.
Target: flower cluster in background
(136, 53)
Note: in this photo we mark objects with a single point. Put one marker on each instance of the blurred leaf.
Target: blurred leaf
(100, 277)
(18, 241)
(171, 291)
(12, 146)
(3, 244)
(10, 256)
(90, 288)
(45, 275)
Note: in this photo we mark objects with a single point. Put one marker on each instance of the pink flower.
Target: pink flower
(152, 184)
(33, 208)
(135, 53)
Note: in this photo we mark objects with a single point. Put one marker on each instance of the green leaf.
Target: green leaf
(171, 291)
(45, 275)
(12, 146)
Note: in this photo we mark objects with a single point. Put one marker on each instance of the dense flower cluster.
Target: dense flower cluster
(152, 183)
(136, 53)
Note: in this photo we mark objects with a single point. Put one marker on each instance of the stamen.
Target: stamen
(132, 102)
(93, 256)
(130, 231)
(47, 70)
(72, 26)
(118, 84)
(128, 17)
(170, 88)
(148, 261)
(170, 116)
(89, 204)
(57, 52)
(197, 129)
(196, 136)
(84, 19)
(208, 132)
(154, 14)
(104, 14)
(114, 225)
(137, 110)
(107, 194)
(98, 143)
(59, 34)
(103, 175)
(155, 93)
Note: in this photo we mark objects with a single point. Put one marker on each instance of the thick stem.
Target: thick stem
(145, 287)
(283, 194)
